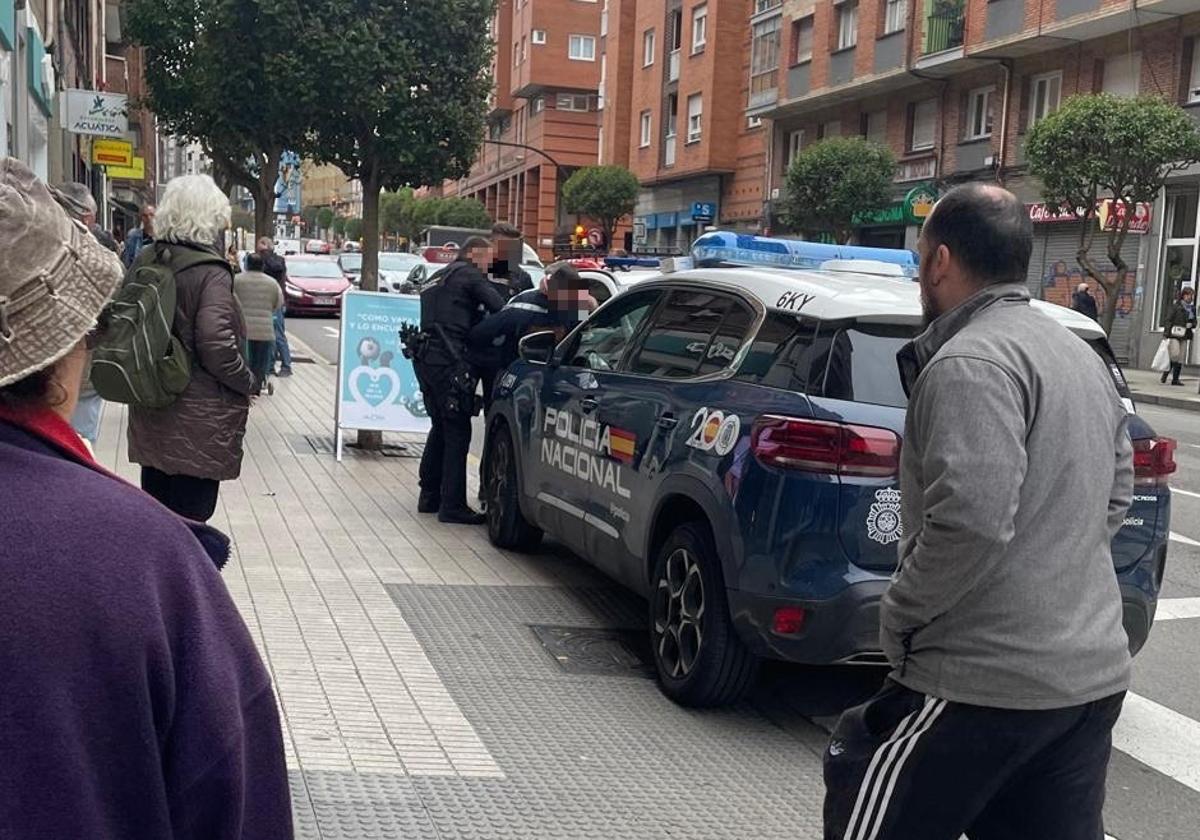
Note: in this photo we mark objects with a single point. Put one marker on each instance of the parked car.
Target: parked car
(315, 286)
(317, 246)
(726, 442)
(351, 265)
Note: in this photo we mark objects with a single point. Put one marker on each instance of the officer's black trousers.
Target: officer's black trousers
(904, 766)
(444, 464)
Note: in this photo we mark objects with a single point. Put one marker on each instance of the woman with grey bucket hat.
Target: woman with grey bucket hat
(188, 448)
(141, 707)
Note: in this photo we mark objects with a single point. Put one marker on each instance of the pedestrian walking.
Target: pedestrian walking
(276, 267)
(139, 707)
(1179, 327)
(188, 448)
(450, 306)
(139, 238)
(77, 200)
(1083, 302)
(259, 297)
(1003, 623)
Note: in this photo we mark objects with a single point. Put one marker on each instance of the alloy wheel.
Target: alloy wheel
(679, 614)
(501, 457)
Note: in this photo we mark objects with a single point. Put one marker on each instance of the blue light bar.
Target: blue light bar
(724, 248)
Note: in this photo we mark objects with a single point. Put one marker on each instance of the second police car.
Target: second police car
(726, 440)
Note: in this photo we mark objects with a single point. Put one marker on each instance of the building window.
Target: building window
(761, 6)
(516, 53)
(539, 36)
(699, 28)
(603, 81)
(795, 145)
(833, 128)
(1123, 74)
(695, 105)
(847, 24)
(1193, 92)
(1179, 251)
(979, 113)
(524, 48)
(572, 102)
(895, 15)
(582, 48)
(924, 126)
(647, 47)
(875, 127)
(764, 60)
(1044, 93)
(753, 122)
(802, 40)
(539, 104)
(647, 128)
(672, 110)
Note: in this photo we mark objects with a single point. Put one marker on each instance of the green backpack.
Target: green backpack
(138, 360)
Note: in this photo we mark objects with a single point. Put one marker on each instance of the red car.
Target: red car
(315, 286)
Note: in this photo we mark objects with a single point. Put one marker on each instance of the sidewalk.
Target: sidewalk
(417, 698)
(1147, 389)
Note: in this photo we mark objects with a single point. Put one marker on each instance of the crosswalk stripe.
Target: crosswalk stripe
(1185, 492)
(1170, 609)
(1180, 538)
(1160, 738)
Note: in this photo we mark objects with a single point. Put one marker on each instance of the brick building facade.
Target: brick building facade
(544, 114)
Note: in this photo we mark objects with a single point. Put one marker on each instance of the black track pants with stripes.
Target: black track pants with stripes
(904, 766)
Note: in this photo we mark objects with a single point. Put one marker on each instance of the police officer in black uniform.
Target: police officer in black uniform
(451, 304)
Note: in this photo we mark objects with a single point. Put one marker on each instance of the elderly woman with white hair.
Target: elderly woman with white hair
(188, 448)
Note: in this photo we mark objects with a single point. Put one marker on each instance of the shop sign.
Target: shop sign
(639, 231)
(913, 209)
(703, 212)
(918, 170)
(96, 113)
(113, 153)
(1109, 215)
(668, 220)
(137, 172)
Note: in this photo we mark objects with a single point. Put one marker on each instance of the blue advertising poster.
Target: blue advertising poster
(377, 388)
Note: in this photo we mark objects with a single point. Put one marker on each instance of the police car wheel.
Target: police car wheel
(699, 657)
(507, 526)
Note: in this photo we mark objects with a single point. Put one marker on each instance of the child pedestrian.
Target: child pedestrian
(260, 298)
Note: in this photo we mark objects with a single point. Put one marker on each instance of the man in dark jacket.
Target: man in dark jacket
(139, 238)
(505, 271)
(1082, 301)
(275, 266)
(450, 306)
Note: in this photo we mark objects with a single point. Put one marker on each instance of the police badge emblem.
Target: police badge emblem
(883, 520)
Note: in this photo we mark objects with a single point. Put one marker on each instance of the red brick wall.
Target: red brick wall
(622, 46)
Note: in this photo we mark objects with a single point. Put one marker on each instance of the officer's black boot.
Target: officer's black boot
(428, 502)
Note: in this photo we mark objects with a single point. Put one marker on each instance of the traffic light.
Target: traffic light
(581, 238)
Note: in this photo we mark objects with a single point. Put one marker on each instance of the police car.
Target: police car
(725, 440)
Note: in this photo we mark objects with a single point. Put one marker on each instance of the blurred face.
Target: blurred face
(148, 218)
(1188, 295)
(481, 257)
(508, 256)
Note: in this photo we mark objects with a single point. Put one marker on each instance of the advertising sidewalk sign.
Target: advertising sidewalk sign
(377, 386)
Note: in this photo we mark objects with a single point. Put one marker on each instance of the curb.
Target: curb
(1182, 403)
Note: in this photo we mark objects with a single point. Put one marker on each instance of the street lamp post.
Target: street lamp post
(559, 171)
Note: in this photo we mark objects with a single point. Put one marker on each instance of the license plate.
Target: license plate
(323, 301)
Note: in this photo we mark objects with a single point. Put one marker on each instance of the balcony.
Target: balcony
(944, 25)
(673, 66)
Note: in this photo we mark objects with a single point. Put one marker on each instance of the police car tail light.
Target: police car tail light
(819, 446)
(1153, 460)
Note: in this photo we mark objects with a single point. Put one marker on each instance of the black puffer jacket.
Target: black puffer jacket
(1180, 317)
(200, 434)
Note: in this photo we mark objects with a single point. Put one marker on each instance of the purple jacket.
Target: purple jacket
(134, 704)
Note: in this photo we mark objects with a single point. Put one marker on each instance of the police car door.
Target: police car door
(572, 450)
(652, 409)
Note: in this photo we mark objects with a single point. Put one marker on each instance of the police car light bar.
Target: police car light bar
(873, 267)
(725, 248)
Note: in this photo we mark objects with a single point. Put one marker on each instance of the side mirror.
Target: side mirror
(537, 348)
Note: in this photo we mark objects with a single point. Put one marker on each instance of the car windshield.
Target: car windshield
(316, 269)
(351, 262)
(398, 262)
(529, 256)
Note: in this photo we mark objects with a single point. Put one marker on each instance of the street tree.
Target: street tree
(324, 218)
(1098, 147)
(339, 226)
(404, 88)
(606, 194)
(310, 216)
(354, 229)
(831, 182)
(224, 73)
(463, 212)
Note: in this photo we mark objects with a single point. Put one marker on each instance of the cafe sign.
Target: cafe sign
(96, 113)
(1109, 215)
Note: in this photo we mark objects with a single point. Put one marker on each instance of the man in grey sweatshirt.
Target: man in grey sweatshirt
(1003, 621)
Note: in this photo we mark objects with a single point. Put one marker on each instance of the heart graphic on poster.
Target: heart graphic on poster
(382, 385)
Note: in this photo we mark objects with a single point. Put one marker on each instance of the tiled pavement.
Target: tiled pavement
(417, 701)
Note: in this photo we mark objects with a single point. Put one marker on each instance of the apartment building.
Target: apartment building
(677, 89)
(543, 116)
(953, 86)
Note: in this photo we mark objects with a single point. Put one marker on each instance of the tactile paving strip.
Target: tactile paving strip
(583, 756)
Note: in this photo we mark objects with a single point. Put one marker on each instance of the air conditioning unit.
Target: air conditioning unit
(990, 160)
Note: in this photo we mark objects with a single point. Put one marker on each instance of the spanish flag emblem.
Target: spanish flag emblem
(621, 444)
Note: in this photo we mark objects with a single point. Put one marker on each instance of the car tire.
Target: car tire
(507, 526)
(699, 658)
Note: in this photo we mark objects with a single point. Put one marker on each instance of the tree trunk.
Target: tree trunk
(264, 194)
(1116, 240)
(367, 438)
(1083, 257)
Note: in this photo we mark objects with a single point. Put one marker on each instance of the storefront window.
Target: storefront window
(1179, 251)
